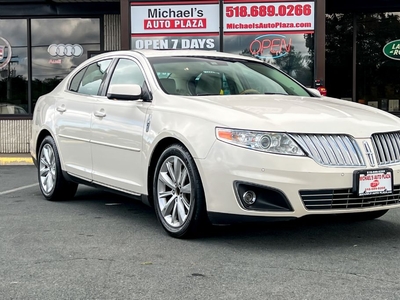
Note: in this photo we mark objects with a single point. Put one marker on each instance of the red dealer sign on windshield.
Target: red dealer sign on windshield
(174, 17)
(245, 16)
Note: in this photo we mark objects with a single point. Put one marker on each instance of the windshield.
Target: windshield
(199, 76)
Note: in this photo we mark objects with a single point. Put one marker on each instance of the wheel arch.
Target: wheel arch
(41, 136)
(157, 151)
(61, 188)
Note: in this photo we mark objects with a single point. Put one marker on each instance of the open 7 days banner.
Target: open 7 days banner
(175, 25)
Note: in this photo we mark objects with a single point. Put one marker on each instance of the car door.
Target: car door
(117, 130)
(74, 111)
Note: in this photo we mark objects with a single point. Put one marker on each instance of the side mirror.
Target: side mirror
(314, 92)
(125, 92)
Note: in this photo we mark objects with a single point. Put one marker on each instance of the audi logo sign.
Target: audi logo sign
(6, 61)
(68, 50)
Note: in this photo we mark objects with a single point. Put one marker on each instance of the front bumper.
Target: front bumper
(292, 176)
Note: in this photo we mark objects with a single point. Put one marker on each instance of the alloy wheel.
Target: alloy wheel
(47, 168)
(174, 191)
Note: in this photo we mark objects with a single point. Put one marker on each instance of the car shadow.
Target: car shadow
(314, 232)
(309, 232)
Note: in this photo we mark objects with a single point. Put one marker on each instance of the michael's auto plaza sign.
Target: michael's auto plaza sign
(175, 25)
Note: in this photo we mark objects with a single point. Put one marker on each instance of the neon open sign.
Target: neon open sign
(270, 46)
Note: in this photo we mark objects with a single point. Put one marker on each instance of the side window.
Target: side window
(77, 80)
(127, 72)
(93, 78)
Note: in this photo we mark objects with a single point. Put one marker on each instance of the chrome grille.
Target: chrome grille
(346, 199)
(331, 149)
(387, 147)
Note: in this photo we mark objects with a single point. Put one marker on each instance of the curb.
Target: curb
(15, 161)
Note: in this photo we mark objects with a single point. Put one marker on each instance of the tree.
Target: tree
(296, 65)
(375, 78)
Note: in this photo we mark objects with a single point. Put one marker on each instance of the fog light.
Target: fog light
(249, 197)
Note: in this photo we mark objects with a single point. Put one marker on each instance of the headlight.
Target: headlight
(271, 142)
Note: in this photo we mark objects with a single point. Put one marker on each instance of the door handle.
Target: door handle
(100, 113)
(61, 108)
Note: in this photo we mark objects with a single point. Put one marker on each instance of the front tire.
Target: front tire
(178, 193)
(51, 180)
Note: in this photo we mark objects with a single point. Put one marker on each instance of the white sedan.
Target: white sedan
(208, 137)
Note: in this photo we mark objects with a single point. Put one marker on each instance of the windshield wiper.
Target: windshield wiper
(208, 94)
(270, 93)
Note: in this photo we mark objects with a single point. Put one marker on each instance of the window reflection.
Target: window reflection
(339, 55)
(127, 72)
(292, 53)
(14, 68)
(93, 78)
(58, 46)
(377, 81)
(376, 73)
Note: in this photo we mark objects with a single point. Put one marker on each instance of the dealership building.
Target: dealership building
(352, 48)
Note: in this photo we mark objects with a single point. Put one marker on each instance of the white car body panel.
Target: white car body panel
(298, 114)
(72, 119)
(289, 174)
(117, 131)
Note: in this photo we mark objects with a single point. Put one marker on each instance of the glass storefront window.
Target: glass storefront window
(14, 67)
(339, 55)
(375, 37)
(377, 80)
(58, 46)
(292, 53)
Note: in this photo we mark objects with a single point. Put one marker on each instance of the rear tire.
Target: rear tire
(52, 183)
(178, 193)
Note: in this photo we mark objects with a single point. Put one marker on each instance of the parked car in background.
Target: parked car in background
(213, 137)
(322, 91)
(11, 109)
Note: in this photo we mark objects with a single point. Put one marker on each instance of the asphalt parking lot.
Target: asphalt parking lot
(103, 246)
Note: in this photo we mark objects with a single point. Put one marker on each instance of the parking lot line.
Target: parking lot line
(18, 189)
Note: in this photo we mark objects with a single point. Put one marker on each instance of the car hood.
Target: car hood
(300, 114)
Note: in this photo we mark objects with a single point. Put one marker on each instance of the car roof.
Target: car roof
(178, 52)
